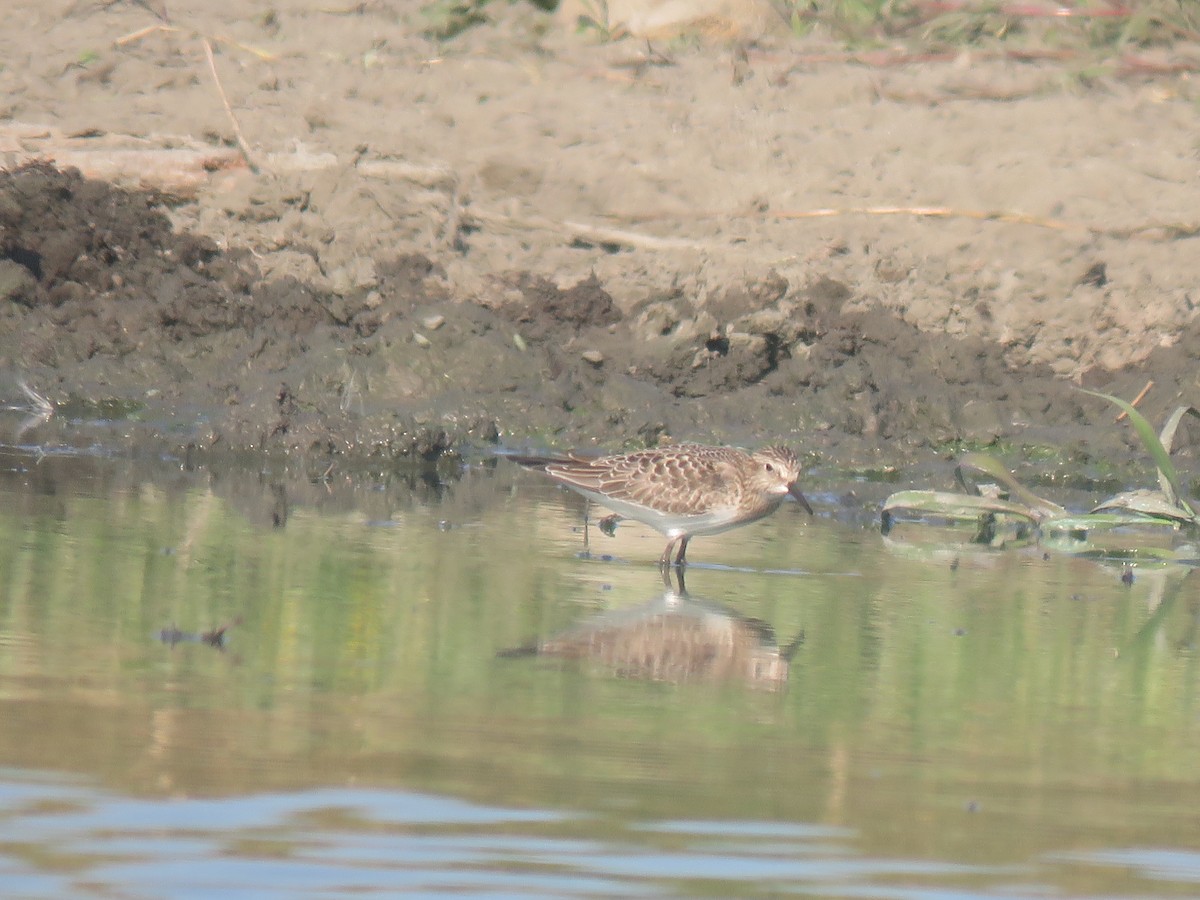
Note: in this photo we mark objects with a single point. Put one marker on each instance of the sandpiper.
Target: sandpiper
(675, 638)
(683, 490)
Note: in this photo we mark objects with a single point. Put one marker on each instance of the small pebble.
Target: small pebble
(434, 322)
(420, 340)
(595, 357)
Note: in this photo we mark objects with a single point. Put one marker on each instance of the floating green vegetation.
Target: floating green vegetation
(107, 409)
(1002, 511)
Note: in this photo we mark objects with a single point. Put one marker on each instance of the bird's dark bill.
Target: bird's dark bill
(800, 498)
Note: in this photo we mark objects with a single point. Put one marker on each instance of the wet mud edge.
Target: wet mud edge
(154, 339)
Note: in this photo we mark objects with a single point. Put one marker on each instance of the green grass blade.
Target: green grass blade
(952, 506)
(1039, 509)
(1102, 521)
(1162, 459)
(1168, 433)
(1147, 503)
(1167, 437)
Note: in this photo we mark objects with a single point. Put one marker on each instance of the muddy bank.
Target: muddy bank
(535, 235)
(115, 315)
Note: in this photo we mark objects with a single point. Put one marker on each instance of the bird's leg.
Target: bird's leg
(679, 557)
(664, 561)
(587, 508)
(663, 570)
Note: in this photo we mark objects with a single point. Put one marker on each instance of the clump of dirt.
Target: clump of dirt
(104, 303)
(103, 299)
(105, 275)
(546, 311)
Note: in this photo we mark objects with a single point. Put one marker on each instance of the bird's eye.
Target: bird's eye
(770, 468)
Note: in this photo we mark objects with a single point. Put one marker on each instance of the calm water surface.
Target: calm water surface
(427, 688)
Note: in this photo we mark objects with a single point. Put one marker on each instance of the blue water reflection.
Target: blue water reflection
(286, 845)
(61, 838)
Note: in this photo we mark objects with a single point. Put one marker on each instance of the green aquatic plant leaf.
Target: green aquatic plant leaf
(949, 505)
(1144, 503)
(1167, 437)
(1038, 508)
(1104, 518)
(1168, 477)
(1141, 512)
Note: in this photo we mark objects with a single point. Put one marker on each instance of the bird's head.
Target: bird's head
(778, 472)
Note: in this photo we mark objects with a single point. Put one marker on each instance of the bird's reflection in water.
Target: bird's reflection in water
(675, 638)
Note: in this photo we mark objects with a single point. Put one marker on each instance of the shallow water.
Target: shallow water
(820, 711)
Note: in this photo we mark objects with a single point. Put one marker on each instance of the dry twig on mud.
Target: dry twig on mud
(1135, 401)
(206, 42)
(237, 130)
(935, 212)
(1160, 231)
(584, 232)
(172, 164)
(135, 36)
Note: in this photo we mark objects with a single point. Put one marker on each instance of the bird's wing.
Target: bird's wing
(533, 460)
(541, 460)
(668, 483)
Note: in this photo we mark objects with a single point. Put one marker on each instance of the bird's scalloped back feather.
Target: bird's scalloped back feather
(670, 479)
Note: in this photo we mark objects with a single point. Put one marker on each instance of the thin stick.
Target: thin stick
(596, 234)
(237, 131)
(141, 33)
(1135, 401)
(135, 36)
(1161, 231)
(264, 55)
(581, 231)
(937, 212)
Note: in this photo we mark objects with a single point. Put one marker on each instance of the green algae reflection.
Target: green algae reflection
(366, 621)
